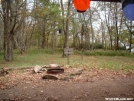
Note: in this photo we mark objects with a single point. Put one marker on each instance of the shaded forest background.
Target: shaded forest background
(51, 24)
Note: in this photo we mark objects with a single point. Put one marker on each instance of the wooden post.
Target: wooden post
(68, 51)
(68, 61)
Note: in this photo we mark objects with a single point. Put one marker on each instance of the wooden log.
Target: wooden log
(55, 70)
(51, 77)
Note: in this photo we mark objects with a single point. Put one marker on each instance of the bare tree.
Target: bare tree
(129, 26)
(10, 14)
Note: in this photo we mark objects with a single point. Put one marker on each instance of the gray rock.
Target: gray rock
(54, 65)
(78, 72)
(67, 78)
(37, 69)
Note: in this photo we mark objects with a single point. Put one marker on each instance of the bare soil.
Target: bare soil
(91, 85)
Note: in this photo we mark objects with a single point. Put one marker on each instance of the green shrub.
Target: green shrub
(77, 52)
(1, 55)
(47, 51)
(33, 51)
(38, 51)
(122, 48)
(99, 46)
(59, 50)
(87, 53)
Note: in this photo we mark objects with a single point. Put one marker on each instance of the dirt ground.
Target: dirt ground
(91, 85)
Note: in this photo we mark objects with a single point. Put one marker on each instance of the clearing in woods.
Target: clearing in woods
(102, 77)
(91, 85)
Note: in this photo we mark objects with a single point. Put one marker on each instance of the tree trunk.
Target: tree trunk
(66, 30)
(116, 28)
(44, 36)
(8, 42)
(67, 26)
(43, 40)
(8, 33)
(130, 45)
(12, 21)
(8, 47)
(92, 30)
(131, 35)
(129, 27)
(53, 38)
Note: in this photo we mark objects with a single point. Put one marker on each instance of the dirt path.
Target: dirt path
(93, 85)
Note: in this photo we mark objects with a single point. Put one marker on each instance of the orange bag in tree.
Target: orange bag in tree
(81, 5)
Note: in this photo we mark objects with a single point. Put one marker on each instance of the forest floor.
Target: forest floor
(92, 85)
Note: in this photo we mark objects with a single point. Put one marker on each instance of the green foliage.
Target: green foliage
(128, 67)
(99, 46)
(121, 48)
(133, 41)
(77, 52)
(59, 50)
(44, 51)
(48, 51)
(1, 55)
(43, 57)
(47, 9)
(124, 36)
(107, 53)
(116, 62)
(38, 51)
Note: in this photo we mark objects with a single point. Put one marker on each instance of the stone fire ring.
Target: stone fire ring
(55, 70)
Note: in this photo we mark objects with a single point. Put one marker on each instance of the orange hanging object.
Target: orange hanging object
(81, 5)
